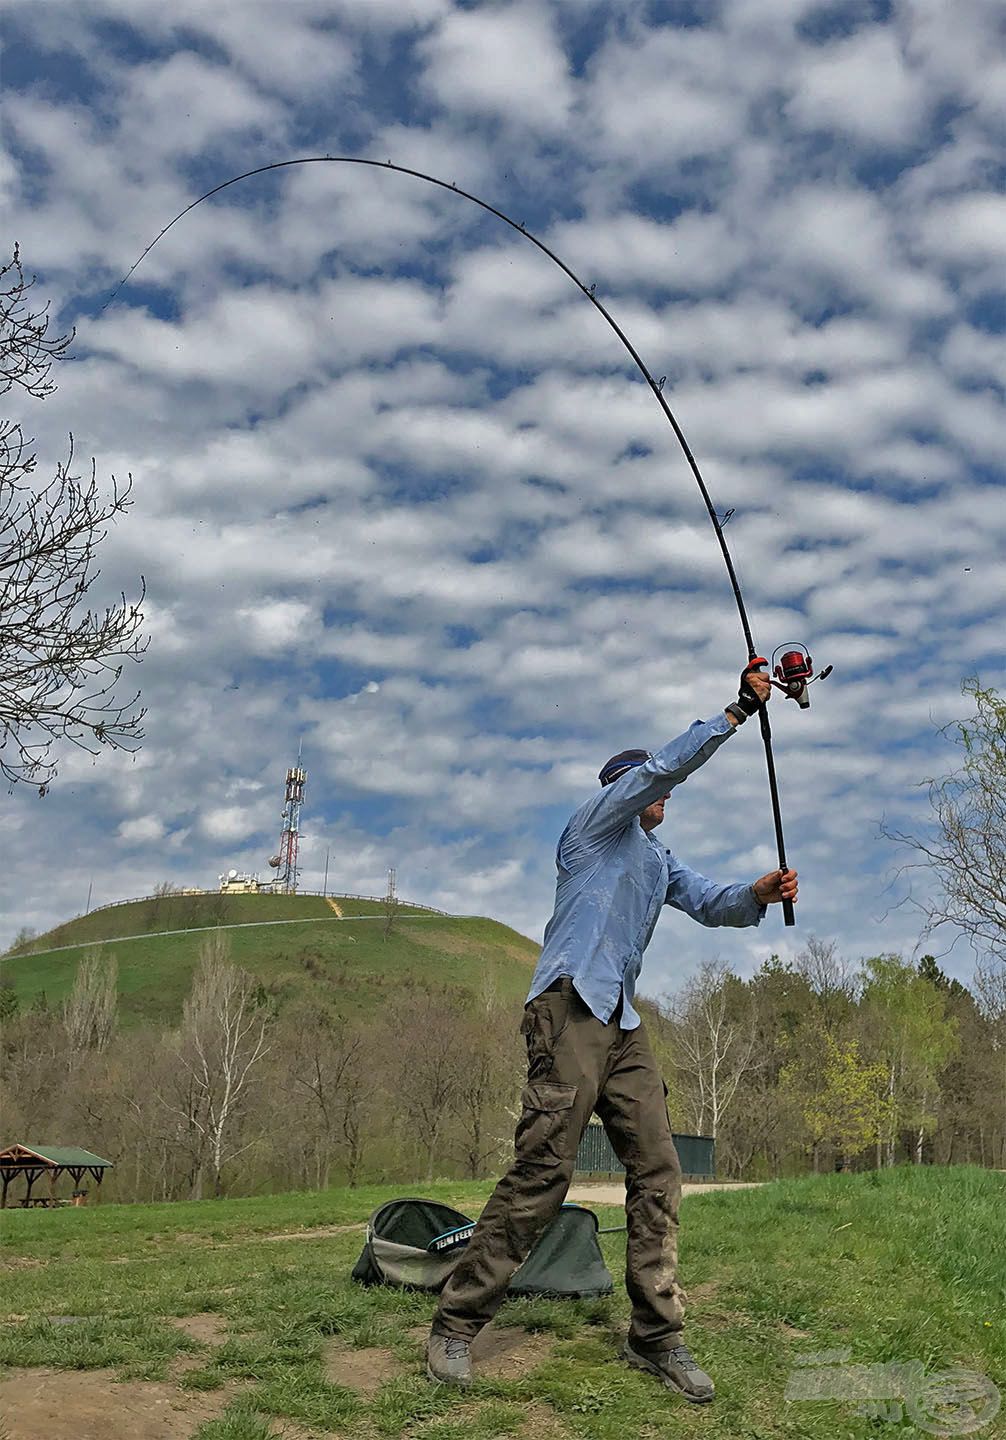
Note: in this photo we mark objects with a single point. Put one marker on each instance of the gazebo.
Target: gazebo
(33, 1161)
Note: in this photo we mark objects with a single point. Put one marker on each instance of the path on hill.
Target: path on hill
(244, 925)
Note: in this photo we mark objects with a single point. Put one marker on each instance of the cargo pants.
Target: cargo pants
(577, 1065)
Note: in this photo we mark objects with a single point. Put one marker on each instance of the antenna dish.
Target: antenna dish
(274, 862)
(232, 874)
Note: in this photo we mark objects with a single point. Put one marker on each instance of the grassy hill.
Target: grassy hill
(288, 941)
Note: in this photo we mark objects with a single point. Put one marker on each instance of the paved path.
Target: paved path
(614, 1194)
(244, 925)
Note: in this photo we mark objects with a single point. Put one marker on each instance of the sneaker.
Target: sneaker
(448, 1359)
(676, 1368)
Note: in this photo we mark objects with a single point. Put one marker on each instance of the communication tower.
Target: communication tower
(285, 863)
(392, 894)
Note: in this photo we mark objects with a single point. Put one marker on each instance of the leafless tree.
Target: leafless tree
(491, 1067)
(832, 979)
(327, 1062)
(990, 987)
(60, 659)
(34, 1066)
(24, 940)
(223, 1037)
(965, 850)
(714, 1043)
(424, 1069)
(91, 1009)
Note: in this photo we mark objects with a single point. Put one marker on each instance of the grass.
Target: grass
(904, 1265)
(155, 970)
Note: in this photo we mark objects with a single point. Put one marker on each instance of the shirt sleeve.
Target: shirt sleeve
(707, 902)
(628, 796)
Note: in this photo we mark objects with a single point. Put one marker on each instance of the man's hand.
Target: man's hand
(756, 687)
(754, 692)
(773, 889)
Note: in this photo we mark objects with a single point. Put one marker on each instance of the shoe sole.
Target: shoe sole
(639, 1362)
(453, 1380)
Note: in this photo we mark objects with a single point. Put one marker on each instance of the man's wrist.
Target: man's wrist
(736, 712)
(758, 899)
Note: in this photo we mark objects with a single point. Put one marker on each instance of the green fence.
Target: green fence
(595, 1156)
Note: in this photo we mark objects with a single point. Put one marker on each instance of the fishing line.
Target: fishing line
(657, 386)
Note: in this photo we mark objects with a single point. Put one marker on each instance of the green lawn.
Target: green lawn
(901, 1266)
(155, 970)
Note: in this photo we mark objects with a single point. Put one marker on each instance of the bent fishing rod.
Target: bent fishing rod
(795, 671)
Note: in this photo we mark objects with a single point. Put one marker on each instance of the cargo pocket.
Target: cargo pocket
(546, 1112)
(544, 1022)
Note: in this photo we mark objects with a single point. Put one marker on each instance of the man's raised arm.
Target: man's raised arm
(616, 804)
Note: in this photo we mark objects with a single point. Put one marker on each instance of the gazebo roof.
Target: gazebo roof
(62, 1156)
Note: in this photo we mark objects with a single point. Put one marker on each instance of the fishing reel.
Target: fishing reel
(795, 671)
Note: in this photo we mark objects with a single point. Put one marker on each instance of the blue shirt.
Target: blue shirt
(614, 877)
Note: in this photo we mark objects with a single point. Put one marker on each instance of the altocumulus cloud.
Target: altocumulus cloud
(399, 495)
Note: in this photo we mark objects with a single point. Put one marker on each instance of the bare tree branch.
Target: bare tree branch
(61, 659)
(965, 850)
(714, 1046)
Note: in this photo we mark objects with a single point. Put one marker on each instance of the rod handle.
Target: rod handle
(788, 917)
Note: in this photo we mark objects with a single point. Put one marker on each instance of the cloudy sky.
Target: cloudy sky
(399, 493)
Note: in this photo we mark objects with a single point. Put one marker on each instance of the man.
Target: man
(587, 1052)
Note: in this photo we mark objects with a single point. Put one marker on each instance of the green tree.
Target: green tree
(763, 1128)
(846, 1102)
(9, 1003)
(909, 1031)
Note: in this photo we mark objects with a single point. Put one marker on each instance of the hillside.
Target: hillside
(290, 942)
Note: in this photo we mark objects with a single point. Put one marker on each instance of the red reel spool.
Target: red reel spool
(795, 665)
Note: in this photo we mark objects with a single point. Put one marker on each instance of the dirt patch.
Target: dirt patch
(21, 1262)
(793, 1332)
(364, 1371)
(207, 1328)
(199, 1243)
(318, 1233)
(505, 1352)
(542, 1423)
(70, 1405)
(702, 1294)
(509, 1352)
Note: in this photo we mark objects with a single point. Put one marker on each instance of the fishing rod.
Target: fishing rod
(797, 662)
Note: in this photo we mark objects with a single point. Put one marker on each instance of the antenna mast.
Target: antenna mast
(285, 863)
